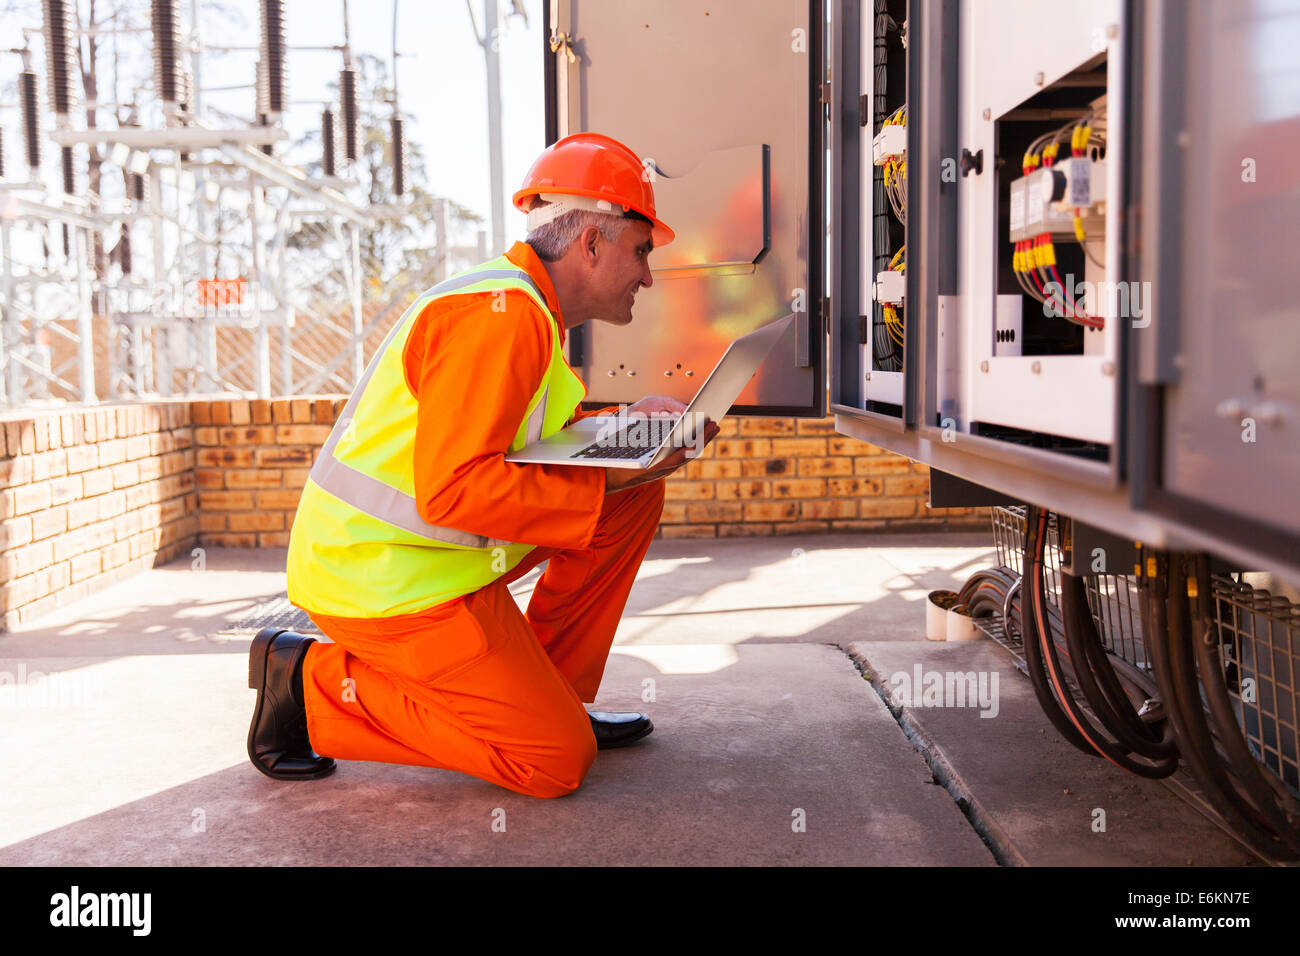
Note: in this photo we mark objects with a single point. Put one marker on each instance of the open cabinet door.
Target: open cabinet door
(723, 101)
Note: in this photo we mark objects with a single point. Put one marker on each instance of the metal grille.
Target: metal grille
(1112, 598)
(1259, 637)
(277, 612)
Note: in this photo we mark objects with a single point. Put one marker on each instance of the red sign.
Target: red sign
(221, 291)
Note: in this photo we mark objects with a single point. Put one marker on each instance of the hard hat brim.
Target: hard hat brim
(660, 233)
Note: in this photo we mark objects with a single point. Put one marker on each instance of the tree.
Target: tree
(401, 242)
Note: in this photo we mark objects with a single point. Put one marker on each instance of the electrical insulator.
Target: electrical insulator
(267, 148)
(328, 165)
(273, 57)
(31, 119)
(124, 250)
(348, 112)
(69, 171)
(185, 94)
(60, 54)
(167, 79)
(399, 156)
(259, 87)
(137, 187)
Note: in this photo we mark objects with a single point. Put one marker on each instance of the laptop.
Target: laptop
(621, 441)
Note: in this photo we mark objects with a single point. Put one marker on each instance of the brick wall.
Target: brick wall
(251, 463)
(764, 476)
(760, 476)
(89, 497)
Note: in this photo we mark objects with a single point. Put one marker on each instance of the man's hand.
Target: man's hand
(620, 479)
(653, 406)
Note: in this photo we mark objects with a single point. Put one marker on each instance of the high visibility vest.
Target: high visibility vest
(358, 546)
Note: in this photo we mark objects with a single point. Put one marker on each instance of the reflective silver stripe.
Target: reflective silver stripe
(382, 501)
(391, 506)
(534, 431)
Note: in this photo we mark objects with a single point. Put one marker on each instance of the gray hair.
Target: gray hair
(552, 240)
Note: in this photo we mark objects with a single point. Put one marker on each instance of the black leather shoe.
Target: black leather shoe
(278, 743)
(618, 730)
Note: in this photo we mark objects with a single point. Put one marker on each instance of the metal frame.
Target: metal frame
(810, 338)
(175, 241)
(1123, 495)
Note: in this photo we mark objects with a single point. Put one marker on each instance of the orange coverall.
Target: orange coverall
(472, 684)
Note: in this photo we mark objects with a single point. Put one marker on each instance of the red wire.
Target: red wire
(1074, 309)
(1045, 637)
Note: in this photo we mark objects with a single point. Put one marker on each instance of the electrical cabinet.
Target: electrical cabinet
(1040, 247)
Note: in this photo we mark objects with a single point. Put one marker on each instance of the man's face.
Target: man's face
(621, 273)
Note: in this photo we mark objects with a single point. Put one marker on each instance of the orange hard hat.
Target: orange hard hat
(598, 167)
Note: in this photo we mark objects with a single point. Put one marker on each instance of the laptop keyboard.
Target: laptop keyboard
(622, 445)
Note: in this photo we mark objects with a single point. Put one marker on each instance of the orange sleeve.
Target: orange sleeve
(472, 370)
(579, 415)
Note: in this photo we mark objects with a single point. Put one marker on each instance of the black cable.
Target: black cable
(1114, 713)
(1032, 610)
(1084, 727)
(1277, 807)
(1164, 622)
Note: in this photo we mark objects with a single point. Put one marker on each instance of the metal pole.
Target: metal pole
(195, 59)
(13, 383)
(491, 34)
(358, 318)
(85, 323)
(205, 329)
(262, 349)
(441, 255)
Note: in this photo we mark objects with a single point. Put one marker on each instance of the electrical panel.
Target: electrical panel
(883, 217)
(1048, 275)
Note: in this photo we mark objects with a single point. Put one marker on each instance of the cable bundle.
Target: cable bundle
(1034, 261)
(887, 355)
(1141, 742)
(895, 171)
(1183, 644)
(893, 321)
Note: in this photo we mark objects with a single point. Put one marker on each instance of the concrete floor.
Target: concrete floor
(131, 750)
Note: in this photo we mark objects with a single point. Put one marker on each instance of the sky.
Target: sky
(441, 80)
